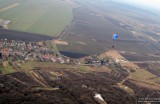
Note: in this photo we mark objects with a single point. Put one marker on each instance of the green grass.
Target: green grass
(48, 88)
(50, 44)
(144, 76)
(32, 64)
(83, 68)
(4, 3)
(48, 17)
(6, 70)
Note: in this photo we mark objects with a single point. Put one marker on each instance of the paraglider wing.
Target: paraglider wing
(115, 36)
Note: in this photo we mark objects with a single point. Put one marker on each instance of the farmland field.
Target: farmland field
(96, 34)
(17, 35)
(5, 3)
(48, 17)
(96, 21)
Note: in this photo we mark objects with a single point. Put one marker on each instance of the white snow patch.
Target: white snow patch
(98, 96)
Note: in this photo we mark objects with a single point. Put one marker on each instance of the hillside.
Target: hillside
(117, 82)
(137, 75)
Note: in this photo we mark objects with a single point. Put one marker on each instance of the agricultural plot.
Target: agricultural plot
(152, 67)
(94, 26)
(96, 21)
(6, 3)
(47, 17)
(52, 46)
(74, 84)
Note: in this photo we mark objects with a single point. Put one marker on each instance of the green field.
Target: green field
(4, 3)
(48, 17)
(6, 70)
(52, 46)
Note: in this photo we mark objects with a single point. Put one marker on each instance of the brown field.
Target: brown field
(25, 36)
(77, 84)
(94, 23)
(60, 42)
(118, 57)
(77, 87)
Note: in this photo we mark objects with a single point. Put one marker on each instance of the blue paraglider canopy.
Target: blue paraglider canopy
(115, 36)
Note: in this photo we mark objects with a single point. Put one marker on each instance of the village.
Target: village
(18, 52)
(13, 50)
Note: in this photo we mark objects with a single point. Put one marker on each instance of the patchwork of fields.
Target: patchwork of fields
(96, 21)
(48, 17)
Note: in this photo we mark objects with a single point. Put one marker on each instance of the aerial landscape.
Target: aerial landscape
(79, 52)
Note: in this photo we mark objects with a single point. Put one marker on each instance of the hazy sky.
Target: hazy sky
(155, 4)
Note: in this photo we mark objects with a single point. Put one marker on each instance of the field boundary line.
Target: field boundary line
(9, 7)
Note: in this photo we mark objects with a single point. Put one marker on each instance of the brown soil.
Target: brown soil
(60, 42)
(69, 86)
